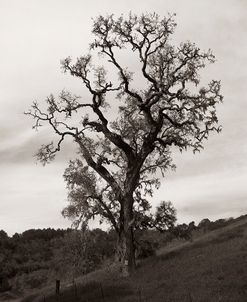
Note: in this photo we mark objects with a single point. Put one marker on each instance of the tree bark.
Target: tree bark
(125, 244)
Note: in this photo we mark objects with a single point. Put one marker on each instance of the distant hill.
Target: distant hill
(213, 267)
(32, 259)
(210, 265)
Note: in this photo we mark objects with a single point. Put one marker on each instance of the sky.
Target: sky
(36, 34)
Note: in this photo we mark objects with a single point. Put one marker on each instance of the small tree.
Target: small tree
(3, 235)
(123, 150)
(204, 224)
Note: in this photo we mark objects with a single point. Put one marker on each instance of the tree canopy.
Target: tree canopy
(126, 134)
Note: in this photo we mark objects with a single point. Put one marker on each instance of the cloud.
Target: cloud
(213, 195)
(22, 147)
(35, 35)
(31, 196)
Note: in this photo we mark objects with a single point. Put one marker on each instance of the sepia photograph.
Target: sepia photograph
(123, 151)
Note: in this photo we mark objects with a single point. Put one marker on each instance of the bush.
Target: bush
(146, 248)
(32, 280)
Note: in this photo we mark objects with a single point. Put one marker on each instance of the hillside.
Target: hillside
(33, 259)
(211, 268)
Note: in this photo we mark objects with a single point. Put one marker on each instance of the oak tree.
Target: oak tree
(129, 125)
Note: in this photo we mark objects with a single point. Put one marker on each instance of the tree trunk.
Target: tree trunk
(125, 244)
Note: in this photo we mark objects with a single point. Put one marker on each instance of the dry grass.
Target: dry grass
(212, 268)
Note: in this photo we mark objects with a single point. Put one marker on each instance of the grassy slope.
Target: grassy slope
(212, 268)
